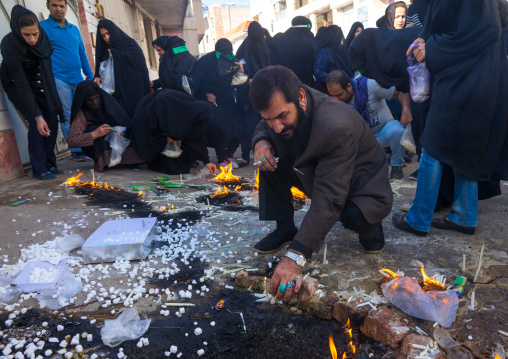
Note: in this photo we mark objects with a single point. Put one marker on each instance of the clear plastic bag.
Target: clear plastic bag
(127, 326)
(419, 80)
(408, 140)
(8, 293)
(71, 242)
(172, 149)
(118, 145)
(239, 79)
(68, 286)
(185, 85)
(107, 75)
(406, 294)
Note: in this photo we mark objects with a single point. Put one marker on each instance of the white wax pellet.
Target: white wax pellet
(63, 344)
(89, 337)
(68, 355)
(173, 349)
(59, 328)
(79, 348)
(212, 324)
(201, 352)
(48, 352)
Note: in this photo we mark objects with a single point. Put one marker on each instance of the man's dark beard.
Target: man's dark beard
(294, 146)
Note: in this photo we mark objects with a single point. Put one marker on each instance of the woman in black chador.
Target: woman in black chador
(130, 71)
(332, 55)
(27, 78)
(212, 78)
(258, 54)
(94, 114)
(168, 116)
(175, 62)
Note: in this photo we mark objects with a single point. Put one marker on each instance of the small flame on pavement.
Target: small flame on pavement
(391, 273)
(297, 193)
(333, 350)
(220, 192)
(75, 182)
(238, 188)
(165, 209)
(351, 349)
(497, 356)
(140, 193)
(428, 281)
(256, 185)
(226, 175)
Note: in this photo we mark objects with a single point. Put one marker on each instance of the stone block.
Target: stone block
(321, 307)
(385, 326)
(309, 287)
(244, 280)
(342, 311)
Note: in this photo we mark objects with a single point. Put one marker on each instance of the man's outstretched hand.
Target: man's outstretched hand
(265, 151)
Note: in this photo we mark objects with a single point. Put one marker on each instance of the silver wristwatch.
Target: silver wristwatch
(299, 259)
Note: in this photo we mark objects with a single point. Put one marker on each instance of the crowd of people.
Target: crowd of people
(329, 107)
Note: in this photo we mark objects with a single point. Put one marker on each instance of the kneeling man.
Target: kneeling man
(327, 151)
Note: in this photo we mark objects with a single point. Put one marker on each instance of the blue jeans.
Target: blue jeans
(390, 135)
(464, 210)
(66, 93)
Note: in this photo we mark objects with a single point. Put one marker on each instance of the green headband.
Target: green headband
(180, 49)
(231, 57)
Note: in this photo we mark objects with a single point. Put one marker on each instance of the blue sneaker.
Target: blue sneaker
(56, 171)
(44, 176)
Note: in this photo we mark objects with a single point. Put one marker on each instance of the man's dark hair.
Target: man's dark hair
(27, 20)
(338, 77)
(270, 80)
(48, 1)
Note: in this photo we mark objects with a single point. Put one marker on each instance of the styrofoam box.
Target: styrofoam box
(123, 239)
(23, 279)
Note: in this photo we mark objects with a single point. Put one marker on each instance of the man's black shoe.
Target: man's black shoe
(56, 171)
(444, 223)
(399, 220)
(275, 240)
(194, 164)
(414, 176)
(396, 172)
(374, 248)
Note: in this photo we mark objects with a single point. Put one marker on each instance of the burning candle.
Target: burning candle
(324, 256)
(266, 291)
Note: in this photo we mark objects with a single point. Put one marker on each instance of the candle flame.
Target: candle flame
(220, 192)
(497, 356)
(256, 185)
(226, 175)
(297, 193)
(393, 274)
(140, 193)
(429, 281)
(333, 350)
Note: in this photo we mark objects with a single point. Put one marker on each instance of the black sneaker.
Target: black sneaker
(396, 172)
(373, 248)
(414, 176)
(275, 240)
(78, 156)
(44, 176)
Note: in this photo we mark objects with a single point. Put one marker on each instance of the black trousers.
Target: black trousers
(41, 149)
(275, 204)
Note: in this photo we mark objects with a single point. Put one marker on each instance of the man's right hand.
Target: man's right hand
(210, 97)
(97, 80)
(265, 150)
(101, 131)
(42, 127)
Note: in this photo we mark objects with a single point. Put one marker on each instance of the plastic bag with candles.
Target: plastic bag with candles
(406, 294)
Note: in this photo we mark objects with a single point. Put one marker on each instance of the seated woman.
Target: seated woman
(167, 116)
(93, 114)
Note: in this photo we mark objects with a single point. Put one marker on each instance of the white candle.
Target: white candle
(464, 263)
(472, 300)
(478, 270)
(208, 202)
(324, 256)
(181, 179)
(266, 291)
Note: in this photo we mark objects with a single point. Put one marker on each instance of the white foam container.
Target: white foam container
(123, 239)
(23, 279)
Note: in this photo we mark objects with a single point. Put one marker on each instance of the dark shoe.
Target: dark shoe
(56, 171)
(444, 223)
(377, 247)
(414, 176)
(243, 163)
(275, 240)
(78, 156)
(194, 164)
(44, 176)
(399, 220)
(396, 172)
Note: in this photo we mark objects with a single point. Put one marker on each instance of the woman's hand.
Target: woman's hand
(210, 97)
(418, 49)
(169, 140)
(212, 168)
(101, 131)
(97, 80)
(241, 67)
(110, 54)
(42, 127)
